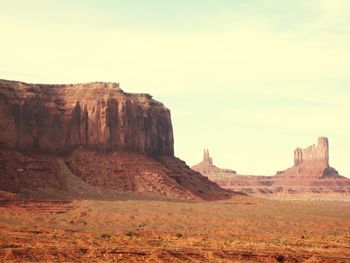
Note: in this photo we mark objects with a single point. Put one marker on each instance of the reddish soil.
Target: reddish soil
(243, 229)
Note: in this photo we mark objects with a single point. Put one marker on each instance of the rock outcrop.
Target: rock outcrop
(311, 177)
(313, 161)
(314, 153)
(92, 141)
(206, 166)
(99, 116)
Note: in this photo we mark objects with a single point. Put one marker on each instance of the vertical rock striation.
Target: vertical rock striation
(313, 161)
(96, 136)
(100, 116)
(206, 157)
(313, 153)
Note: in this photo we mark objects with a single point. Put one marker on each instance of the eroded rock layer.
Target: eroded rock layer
(207, 167)
(91, 141)
(311, 177)
(58, 118)
(315, 153)
(313, 161)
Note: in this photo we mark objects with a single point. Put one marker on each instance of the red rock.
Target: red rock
(313, 153)
(91, 141)
(100, 116)
(207, 167)
(313, 161)
(310, 177)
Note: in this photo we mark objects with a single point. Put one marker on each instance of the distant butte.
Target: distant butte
(206, 166)
(313, 161)
(311, 177)
(313, 153)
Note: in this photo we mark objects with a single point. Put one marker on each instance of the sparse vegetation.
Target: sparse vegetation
(178, 235)
(227, 229)
(280, 258)
(129, 233)
(106, 236)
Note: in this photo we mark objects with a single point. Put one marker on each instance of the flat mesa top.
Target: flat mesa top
(85, 91)
(95, 84)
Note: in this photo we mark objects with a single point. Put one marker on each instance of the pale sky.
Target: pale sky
(251, 80)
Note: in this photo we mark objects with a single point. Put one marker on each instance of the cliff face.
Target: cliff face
(313, 153)
(100, 116)
(91, 141)
(313, 161)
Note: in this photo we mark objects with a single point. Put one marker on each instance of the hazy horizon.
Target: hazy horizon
(251, 81)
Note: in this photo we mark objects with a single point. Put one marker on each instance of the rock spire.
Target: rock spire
(314, 153)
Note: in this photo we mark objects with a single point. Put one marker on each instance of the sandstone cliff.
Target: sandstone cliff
(91, 141)
(313, 161)
(100, 116)
(313, 153)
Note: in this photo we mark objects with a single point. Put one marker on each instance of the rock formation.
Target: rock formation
(313, 161)
(207, 167)
(206, 157)
(100, 116)
(310, 177)
(87, 140)
(313, 153)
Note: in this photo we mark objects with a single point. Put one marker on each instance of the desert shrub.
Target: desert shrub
(129, 233)
(279, 189)
(105, 236)
(178, 235)
(280, 258)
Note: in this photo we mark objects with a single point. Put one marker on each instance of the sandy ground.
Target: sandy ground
(244, 229)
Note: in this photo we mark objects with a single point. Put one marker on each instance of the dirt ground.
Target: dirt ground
(243, 229)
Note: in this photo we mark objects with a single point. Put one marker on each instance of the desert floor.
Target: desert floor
(244, 229)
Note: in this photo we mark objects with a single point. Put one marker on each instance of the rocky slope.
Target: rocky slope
(94, 136)
(311, 177)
